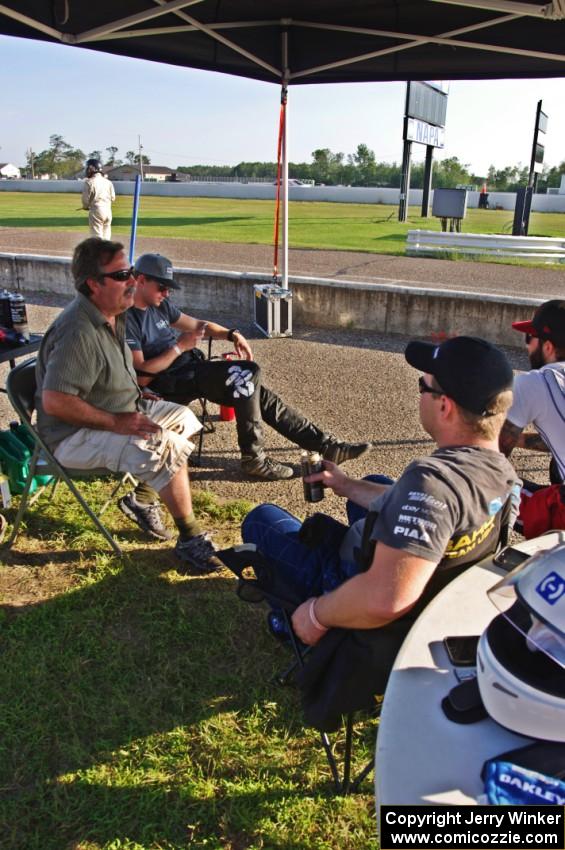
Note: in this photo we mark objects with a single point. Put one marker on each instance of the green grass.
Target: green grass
(136, 709)
(355, 227)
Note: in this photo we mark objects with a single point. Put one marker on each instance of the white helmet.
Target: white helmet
(521, 654)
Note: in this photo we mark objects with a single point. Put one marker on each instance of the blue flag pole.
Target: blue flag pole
(136, 194)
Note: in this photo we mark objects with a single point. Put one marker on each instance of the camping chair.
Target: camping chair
(21, 387)
(257, 582)
(344, 672)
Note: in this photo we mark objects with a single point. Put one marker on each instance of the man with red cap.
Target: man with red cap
(539, 400)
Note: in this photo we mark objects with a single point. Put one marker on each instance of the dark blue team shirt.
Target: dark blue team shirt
(150, 330)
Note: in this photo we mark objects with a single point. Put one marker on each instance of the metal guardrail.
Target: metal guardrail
(534, 248)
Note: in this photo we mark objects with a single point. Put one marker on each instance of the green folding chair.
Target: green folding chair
(21, 387)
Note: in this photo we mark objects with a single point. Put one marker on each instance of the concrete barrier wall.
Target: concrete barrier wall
(264, 191)
(316, 303)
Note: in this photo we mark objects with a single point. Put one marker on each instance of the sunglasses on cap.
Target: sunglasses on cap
(425, 388)
(121, 275)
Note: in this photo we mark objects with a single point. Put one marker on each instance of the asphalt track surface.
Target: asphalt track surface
(479, 277)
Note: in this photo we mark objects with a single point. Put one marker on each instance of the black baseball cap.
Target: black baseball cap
(157, 267)
(548, 322)
(469, 370)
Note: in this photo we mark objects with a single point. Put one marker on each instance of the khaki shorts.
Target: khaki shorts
(155, 460)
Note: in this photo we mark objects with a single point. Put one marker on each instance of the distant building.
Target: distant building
(9, 171)
(157, 173)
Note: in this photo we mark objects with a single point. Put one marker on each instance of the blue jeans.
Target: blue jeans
(309, 572)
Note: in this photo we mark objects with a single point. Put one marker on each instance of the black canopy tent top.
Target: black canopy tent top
(311, 41)
(329, 41)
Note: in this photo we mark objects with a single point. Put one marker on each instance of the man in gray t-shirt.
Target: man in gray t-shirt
(413, 536)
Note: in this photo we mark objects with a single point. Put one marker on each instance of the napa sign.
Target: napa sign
(424, 134)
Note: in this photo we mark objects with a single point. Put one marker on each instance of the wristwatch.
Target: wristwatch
(231, 333)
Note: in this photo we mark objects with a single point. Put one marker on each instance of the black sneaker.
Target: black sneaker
(147, 517)
(338, 451)
(265, 468)
(199, 553)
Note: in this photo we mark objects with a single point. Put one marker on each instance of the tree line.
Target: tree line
(62, 160)
(360, 168)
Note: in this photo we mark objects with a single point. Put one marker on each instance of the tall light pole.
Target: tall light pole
(140, 148)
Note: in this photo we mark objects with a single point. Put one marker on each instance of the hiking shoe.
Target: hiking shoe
(147, 517)
(338, 451)
(265, 468)
(199, 553)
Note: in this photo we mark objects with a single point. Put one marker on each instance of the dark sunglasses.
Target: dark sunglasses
(121, 275)
(162, 287)
(425, 388)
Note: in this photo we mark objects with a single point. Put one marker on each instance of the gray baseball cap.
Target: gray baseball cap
(157, 267)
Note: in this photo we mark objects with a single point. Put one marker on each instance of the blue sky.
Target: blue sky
(186, 116)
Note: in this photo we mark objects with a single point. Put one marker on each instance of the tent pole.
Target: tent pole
(284, 176)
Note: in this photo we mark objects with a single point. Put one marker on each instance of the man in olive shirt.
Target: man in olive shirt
(89, 407)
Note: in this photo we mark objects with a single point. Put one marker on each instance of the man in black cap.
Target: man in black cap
(539, 395)
(163, 341)
(98, 195)
(406, 539)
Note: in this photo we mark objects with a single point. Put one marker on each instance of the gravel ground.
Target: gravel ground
(494, 278)
(355, 384)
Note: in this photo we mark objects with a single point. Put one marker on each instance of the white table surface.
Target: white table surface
(421, 756)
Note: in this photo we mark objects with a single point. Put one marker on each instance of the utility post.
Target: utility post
(31, 162)
(140, 148)
(524, 194)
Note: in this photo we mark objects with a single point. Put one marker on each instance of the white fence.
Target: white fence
(257, 191)
(534, 248)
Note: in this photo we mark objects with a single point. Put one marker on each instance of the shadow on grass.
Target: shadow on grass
(399, 238)
(153, 817)
(126, 704)
(78, 220)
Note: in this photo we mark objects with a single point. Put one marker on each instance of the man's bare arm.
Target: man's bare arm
(75, 411)
(509, 437)
(187, 340)
(215, 331)
(388, 590)
(358, 491)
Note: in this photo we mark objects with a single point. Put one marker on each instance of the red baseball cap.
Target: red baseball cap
(548, 322)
